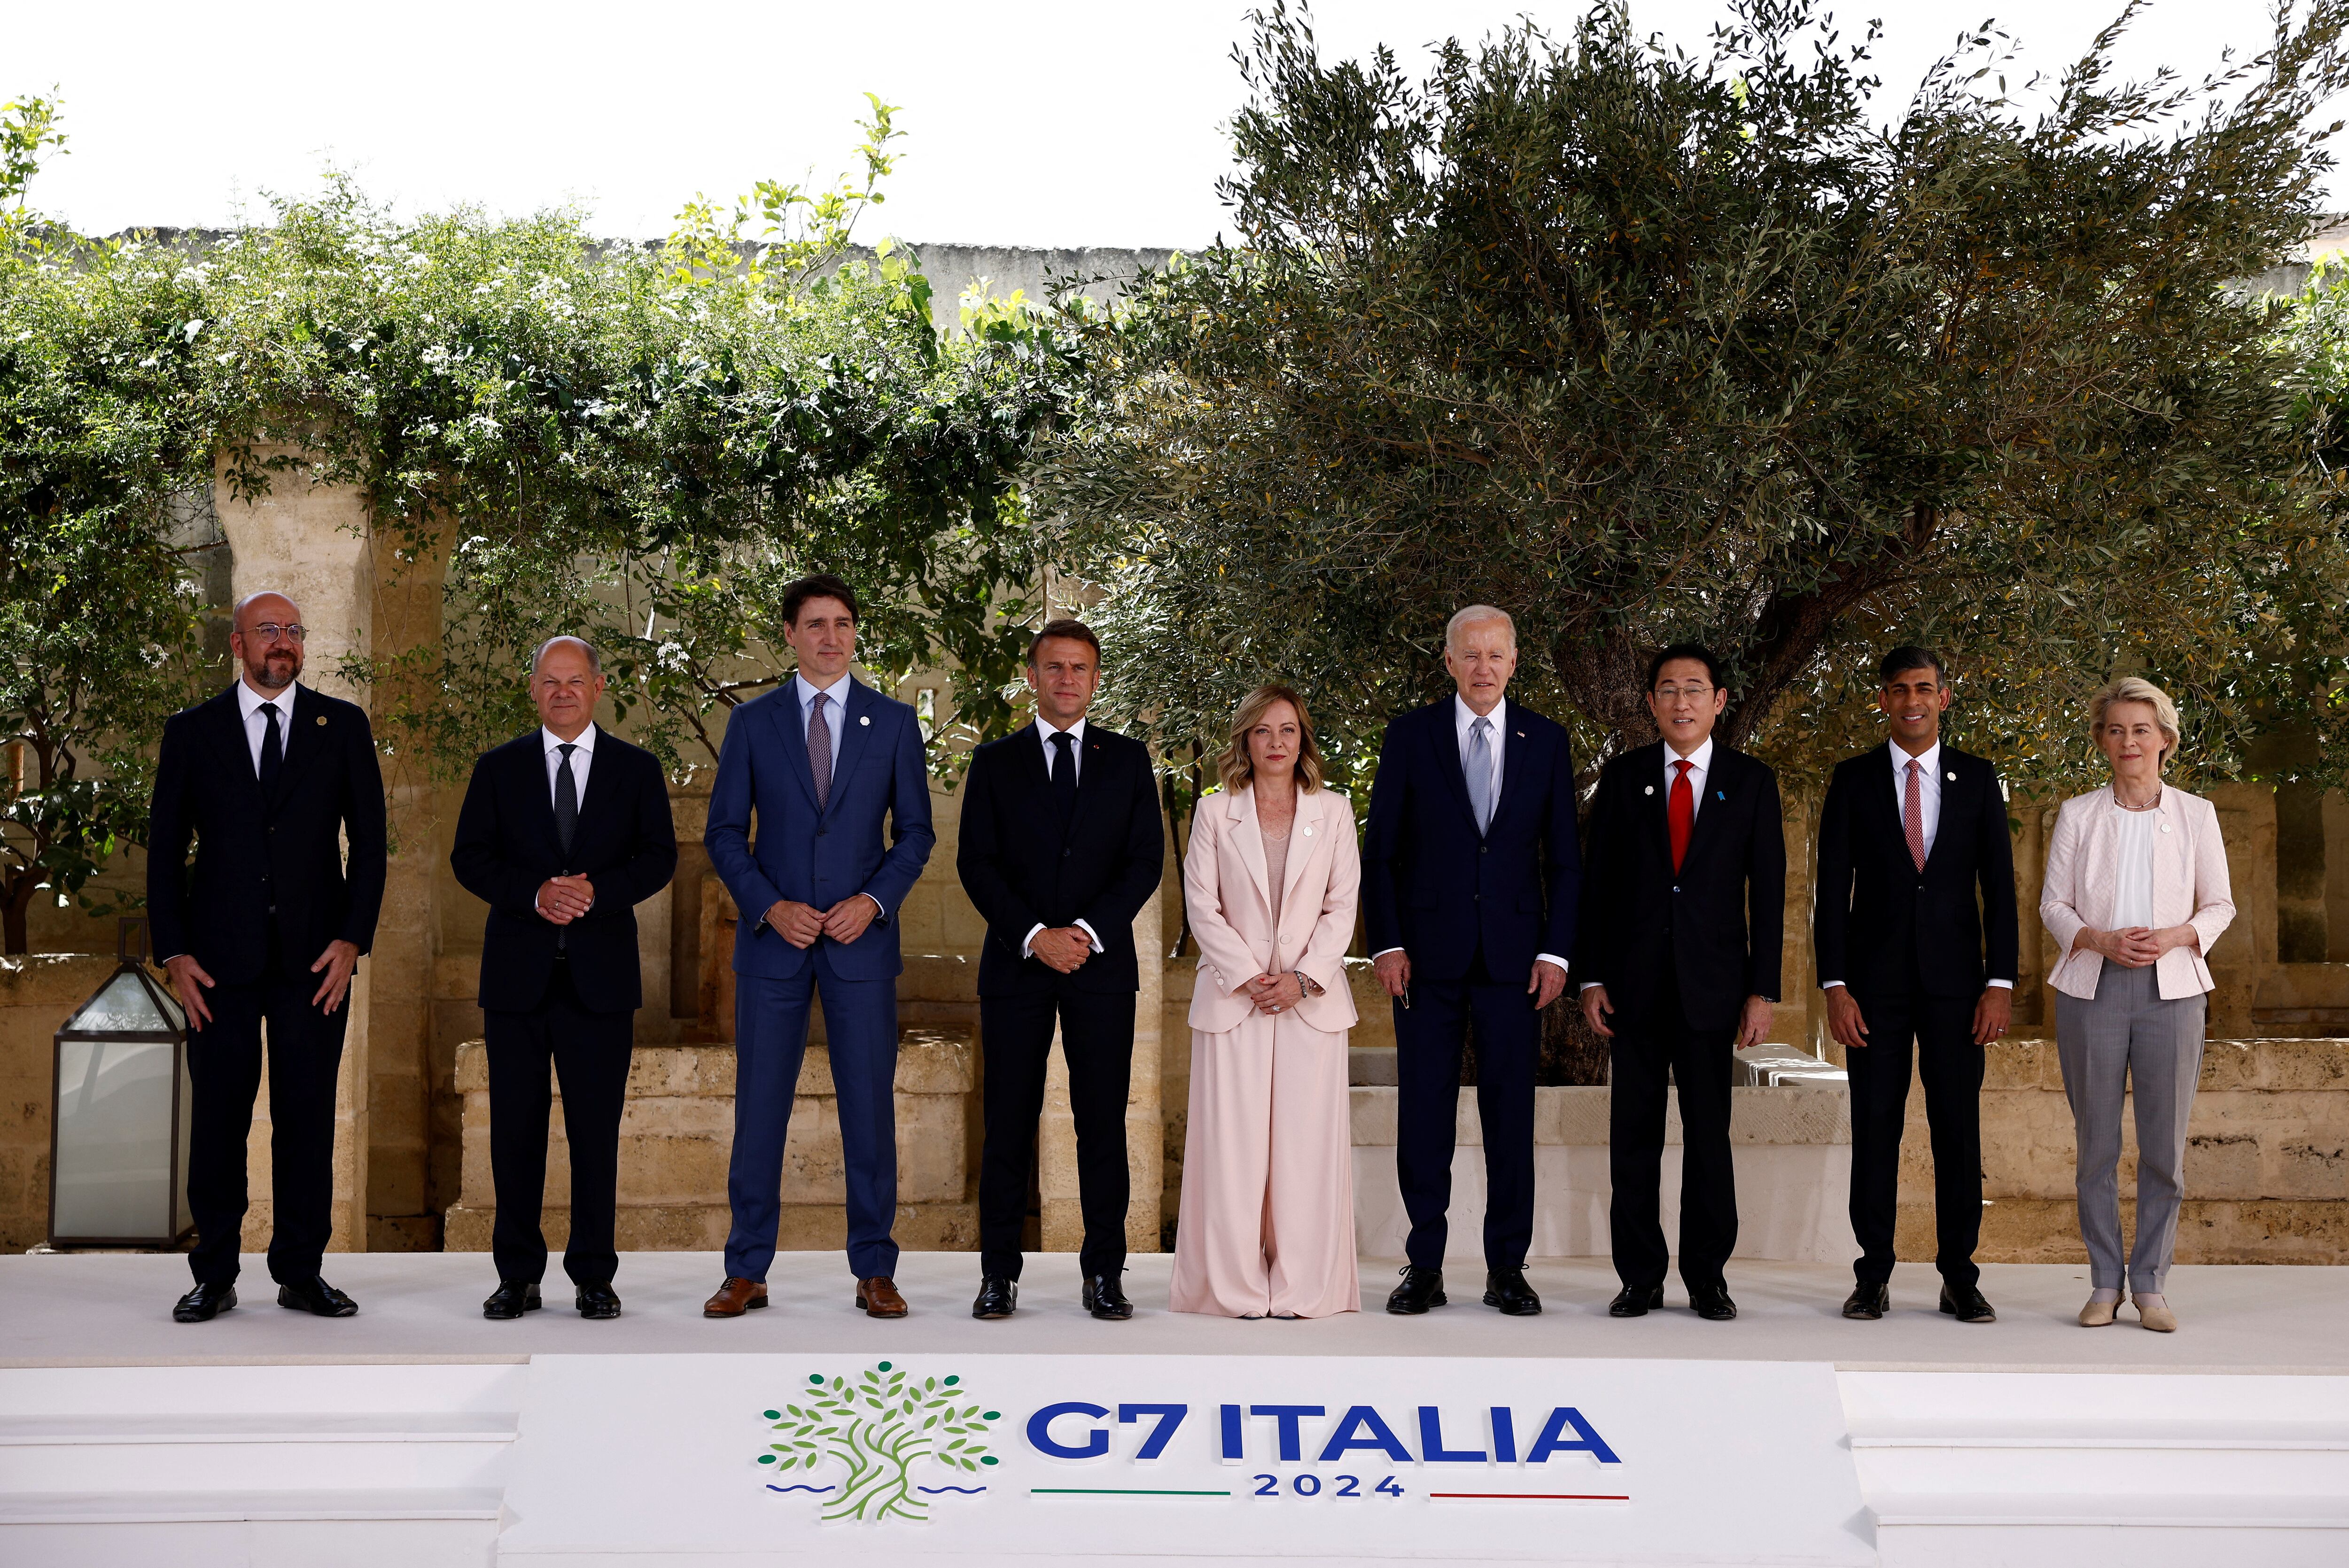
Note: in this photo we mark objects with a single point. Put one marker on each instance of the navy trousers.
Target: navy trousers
(1430, 1035)
(770, 1025)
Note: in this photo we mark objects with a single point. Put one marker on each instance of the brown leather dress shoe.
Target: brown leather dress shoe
(735, 1297)
(878, 1297)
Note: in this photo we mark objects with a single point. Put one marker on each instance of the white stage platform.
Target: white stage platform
(419, 1434)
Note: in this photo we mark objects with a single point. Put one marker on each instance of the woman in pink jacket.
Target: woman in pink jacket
(2136, 893)
(1270, 883)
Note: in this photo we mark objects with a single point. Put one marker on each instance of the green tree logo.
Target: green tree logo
(877, 1426)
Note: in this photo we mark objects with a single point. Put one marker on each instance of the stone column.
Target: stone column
(1062, 1221)
(312, 544)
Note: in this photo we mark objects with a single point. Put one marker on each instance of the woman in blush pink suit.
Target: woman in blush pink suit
(1270, 881)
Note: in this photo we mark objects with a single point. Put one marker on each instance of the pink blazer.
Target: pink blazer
(2190, 886)
(1224, 883)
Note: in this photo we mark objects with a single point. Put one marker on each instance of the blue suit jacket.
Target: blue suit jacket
(763, 768)
(1435, 888)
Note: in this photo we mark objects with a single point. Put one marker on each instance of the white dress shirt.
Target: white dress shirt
(582, 759)
(256, 723)
(2132, 887)
(834, 712)
(1463, 719)
(1928, 808)
(1044, 733)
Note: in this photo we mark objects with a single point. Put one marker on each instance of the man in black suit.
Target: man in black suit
(1916, 880)
(270, 780)
(1062, 846)
(1468, 895)
(565, 831)
(1684, 908)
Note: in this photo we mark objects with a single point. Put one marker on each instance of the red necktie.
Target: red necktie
(1679, 813)
(1913, 815)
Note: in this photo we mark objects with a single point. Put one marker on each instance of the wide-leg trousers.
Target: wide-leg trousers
(1267, 1226)
(2130, 1043)
(770, 1027)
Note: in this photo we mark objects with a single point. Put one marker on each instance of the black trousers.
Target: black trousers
(1952, 1066)
(590, 1052)
(1015, 1036)
(1429, 1035)
(225, 1065)
(1698, 1064)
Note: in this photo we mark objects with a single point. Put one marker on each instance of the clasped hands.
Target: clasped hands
(2136, 946)
(561, 900)
(1274, 992)
(1063, 948)
(801, 924)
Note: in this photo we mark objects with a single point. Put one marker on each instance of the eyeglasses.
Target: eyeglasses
(271, 632)
(1674, 693)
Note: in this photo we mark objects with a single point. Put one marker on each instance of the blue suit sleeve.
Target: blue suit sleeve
(728, 836)
(911, 835)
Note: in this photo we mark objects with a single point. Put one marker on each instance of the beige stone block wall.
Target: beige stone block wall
(38, 994)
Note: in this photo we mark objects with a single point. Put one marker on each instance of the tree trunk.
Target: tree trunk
(21, 889)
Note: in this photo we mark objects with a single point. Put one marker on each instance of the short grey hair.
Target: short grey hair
(1476, 615)
(595, 659)
(2133, 688)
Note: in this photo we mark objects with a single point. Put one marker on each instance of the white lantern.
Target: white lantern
(121, 1109)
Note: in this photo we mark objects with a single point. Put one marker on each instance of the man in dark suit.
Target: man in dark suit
(270, 778)
(565, 831)
(1062, 844)
(1468, 889)
(822, 763)
(1684, 912)
(1915, 924)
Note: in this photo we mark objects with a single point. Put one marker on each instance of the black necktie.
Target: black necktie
(566, 802)
(273, 750)
(1064, 773)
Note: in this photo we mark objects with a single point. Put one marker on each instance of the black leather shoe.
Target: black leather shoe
(1967, 1304)
(997, 1298)
(598, 1300)
(204, 1303)
(1421, 1289)
(1507, 1289)
(1868, 1301)
(1106, 1301)
(1633, 1301)
(1712, 1302)
(316, 1296)
(512, 1299)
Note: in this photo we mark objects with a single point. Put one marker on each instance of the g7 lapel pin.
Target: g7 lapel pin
(322, 719)
(864, 719)
(1952, 778)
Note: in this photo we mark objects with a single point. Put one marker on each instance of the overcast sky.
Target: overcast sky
(1047, 124)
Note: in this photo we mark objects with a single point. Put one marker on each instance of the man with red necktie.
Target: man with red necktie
(1684, 890)
(1914, 923)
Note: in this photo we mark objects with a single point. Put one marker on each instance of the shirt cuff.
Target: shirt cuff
(2004, 985)
(1830, 985)
(1090, 932)
(1592, 985)
(1026, 941)
(1383, 952)
(1549, 958)
(880, 909)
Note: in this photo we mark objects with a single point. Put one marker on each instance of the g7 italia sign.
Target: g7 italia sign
(1308, 1459)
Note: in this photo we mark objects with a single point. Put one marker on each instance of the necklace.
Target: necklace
(2146, 806)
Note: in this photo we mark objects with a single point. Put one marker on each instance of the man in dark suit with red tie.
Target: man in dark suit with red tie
(270, 780)
(1684, 892)
(1915, 927)
(565, 831)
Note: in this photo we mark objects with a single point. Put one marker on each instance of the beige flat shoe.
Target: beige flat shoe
(2160, 1319)
(2098, 1313)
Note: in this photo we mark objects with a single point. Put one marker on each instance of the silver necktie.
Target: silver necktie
(1480, 772)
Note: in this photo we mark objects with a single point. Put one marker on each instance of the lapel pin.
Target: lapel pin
(1309, 833)
(1954, 778)
(863, 718)
(322, 719)
(1652, 789)
(1721, 794)
(2165, 826)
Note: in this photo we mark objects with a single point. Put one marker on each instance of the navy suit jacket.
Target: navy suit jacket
(820, 858)
(1434, 887)
(257, 859)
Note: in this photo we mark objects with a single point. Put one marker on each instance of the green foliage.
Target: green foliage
(1641, 345)
(29, 126)
(877, 1426)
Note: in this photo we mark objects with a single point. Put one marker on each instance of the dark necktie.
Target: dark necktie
(1680, 812)
(273, 750)
(819, 744)
(566, 803)
(1064, 774)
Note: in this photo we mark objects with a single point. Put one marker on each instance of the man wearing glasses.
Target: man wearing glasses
(270, 780)
(1684, 892)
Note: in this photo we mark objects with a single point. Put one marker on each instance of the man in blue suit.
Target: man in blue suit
(1469, 879)
(819, 762)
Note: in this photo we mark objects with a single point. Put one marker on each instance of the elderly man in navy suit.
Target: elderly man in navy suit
(821, 763)
(1469, 876)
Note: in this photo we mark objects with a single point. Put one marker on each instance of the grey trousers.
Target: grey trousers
(2129, 1040)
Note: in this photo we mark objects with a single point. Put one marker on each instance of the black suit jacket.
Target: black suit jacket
(1719, 921)
(1433, 886)
(260, 859)
(624, 845)
(1021, 867)
(1873, 912)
